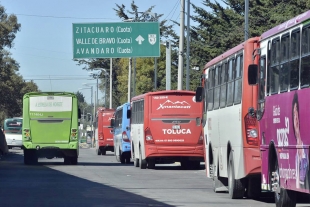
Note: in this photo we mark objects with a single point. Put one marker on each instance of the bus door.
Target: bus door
(175, 120)
(50, 119)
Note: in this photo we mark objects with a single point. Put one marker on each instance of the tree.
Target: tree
(12, 85)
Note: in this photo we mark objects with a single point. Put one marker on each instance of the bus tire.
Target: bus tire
(30, 157)
(103, 152)
(283, 197)
(74, 160)
(254, 188)
(98, 151)
(122, 157)
(235, 186)
(151, 163)
(127, 160)
(67, 160)
(142, 162)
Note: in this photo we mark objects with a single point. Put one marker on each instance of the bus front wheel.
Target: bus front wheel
(235, 187)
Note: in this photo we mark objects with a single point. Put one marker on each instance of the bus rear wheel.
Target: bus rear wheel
(142, 162)
(30, 157)
(151, 163)
(98, 151)
(235, 187)
(283, 197)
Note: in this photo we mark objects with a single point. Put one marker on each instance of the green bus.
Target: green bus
(50, 126)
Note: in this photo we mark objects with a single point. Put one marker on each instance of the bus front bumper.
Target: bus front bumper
(70, 145)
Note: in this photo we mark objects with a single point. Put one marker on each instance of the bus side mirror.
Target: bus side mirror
(128, 114)
(252, 74)
(199, 92)
(79, 113)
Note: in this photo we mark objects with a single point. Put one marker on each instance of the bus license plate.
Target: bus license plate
(176, 127)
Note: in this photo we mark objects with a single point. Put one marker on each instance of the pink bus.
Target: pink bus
(283, 108)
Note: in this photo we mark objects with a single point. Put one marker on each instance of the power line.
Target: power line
(60, 17)
(174, 8)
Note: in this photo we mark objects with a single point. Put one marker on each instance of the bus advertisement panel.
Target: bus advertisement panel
(103, 134)
(166, 128)
(50, 126)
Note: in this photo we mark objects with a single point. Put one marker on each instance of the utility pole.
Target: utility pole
(187, 45)
(111, 83)
(246, 19)
(168, 65)
(129, 80)
(181, 46)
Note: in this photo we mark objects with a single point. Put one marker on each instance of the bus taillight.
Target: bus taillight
(250, 130)
(148, 136)
(73, 134)
(252, 137)
(27, 134)
(125, 137)
(200, 140)
(101, 136)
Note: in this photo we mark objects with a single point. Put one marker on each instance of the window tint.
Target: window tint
(223, 85)
(210, 89)
(284, 66)
(238, 79)
(262, 78)
(305, 42)
(230, 83)
(274, 69)
(295, 44)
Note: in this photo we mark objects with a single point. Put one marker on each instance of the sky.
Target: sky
(44, 49)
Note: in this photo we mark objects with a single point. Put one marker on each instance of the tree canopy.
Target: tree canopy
(12, 85)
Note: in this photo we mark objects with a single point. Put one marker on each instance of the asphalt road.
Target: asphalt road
(102, 181)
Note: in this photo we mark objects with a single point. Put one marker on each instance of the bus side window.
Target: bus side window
(230, 83)
(275, 66)
(238, 79)
(294, 59)
(305, 60)
(284, 66)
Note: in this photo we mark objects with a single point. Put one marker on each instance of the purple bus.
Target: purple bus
(283, 109)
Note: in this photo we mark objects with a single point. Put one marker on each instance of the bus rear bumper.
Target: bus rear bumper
(252, 161)
(175, 151)
(70, 145)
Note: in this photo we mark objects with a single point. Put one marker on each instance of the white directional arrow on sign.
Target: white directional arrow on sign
(140, 39)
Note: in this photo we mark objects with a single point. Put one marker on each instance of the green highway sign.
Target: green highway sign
(116, 40)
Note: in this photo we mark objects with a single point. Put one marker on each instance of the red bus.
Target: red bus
(166, 128)
(103, 134)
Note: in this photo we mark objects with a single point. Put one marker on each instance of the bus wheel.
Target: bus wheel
(121, 157)
(98, 151)
(283, 197)
(30, 157)
(254, 188)
(103, 152)
(235, 187)
(142, 162)
(67, 160)
(127, 159)
(151, 163)
(74, 160)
